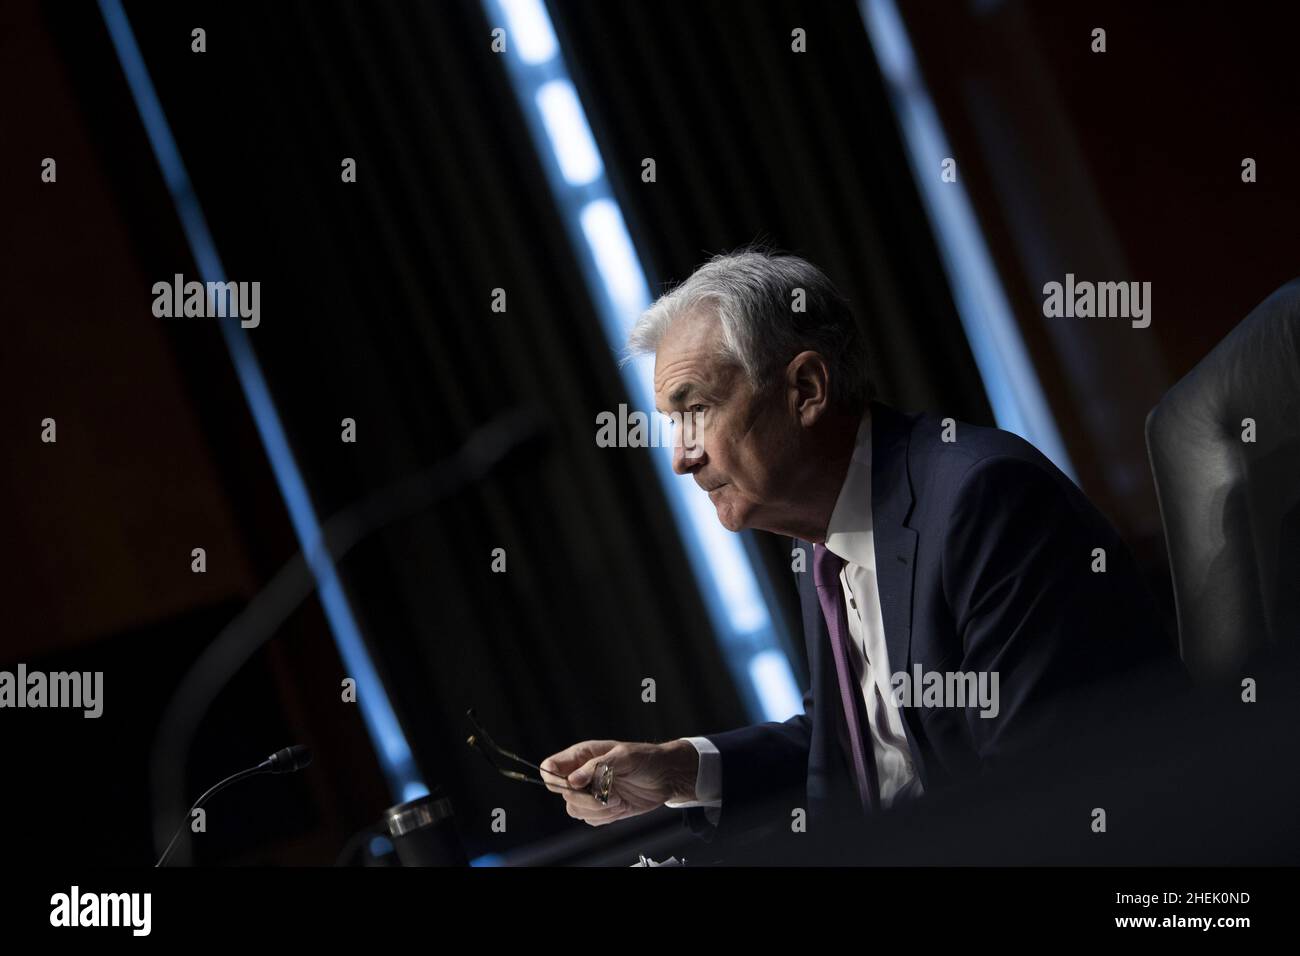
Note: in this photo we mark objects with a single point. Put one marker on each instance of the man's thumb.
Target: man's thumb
(582, 776)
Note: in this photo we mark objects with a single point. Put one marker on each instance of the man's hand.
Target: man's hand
(645, 776)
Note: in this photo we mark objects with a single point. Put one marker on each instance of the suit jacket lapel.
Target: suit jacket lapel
(891, 505)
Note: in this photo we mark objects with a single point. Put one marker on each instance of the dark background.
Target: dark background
(376, 306)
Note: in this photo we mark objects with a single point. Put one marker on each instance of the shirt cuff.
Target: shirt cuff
(708, 780)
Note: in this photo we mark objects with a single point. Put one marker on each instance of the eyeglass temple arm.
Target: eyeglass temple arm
(515, 774)
(491, 745)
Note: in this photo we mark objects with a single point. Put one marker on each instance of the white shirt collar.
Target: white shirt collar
(848, 534)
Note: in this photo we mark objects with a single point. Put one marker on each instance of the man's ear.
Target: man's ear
(808, 385)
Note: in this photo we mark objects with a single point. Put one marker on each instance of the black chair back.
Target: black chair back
(1231, 505)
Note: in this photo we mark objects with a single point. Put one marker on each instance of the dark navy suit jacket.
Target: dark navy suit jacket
(984, 561)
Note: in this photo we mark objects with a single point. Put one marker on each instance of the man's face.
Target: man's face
(738, 444)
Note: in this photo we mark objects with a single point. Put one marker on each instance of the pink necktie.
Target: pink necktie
(826, 577)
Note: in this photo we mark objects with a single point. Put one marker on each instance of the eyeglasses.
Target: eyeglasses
(602, 784)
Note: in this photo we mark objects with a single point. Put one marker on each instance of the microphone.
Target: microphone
(286, 760)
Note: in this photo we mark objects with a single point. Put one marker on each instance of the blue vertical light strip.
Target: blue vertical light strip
(616, 282)
(999, 350)
(377, 712)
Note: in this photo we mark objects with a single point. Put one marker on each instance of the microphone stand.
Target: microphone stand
(487, 449)
(288, 760)
(212, 791)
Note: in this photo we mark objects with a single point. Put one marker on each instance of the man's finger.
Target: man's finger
(596, 817)
(554, 774)
(561, 765)
(580, 751)
(585, 801)
(580, 783)
(583, 776)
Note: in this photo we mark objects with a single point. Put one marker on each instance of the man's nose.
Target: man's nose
(687, 456)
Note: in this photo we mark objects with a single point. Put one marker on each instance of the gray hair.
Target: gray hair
(750, 291)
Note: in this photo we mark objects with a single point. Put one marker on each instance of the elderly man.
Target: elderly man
(929, 546)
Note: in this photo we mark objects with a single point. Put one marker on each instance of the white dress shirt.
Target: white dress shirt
(848, 536)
